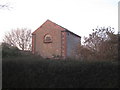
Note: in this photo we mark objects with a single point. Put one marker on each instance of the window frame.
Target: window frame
(47, 36)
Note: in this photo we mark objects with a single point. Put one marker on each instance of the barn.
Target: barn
(51, 40)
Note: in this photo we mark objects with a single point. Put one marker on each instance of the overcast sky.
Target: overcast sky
(78, 16)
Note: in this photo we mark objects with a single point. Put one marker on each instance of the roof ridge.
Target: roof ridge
(64, 28)
(57, 25)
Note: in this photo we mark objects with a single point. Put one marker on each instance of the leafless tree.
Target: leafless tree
(5, 5)
(20, 38)
(102, 44)
(98, 36)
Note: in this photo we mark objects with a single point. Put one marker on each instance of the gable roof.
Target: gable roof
(39, 27)
(66, 30)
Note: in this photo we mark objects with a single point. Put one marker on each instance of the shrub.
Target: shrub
(8, 50)
(36, 72)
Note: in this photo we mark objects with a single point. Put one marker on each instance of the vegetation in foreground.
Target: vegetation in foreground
(96, 69)
(35, 72)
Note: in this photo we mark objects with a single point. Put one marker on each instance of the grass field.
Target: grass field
(35, 72)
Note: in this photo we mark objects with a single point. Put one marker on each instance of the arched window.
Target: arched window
(47, 38)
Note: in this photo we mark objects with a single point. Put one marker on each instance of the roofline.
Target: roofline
(73, 33)
(39, 27)
(58, 25)
(66, 29)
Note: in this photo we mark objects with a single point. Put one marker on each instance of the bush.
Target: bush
(9, 51)
(36, 72)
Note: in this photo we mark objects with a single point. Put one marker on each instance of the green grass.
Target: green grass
(35, 72)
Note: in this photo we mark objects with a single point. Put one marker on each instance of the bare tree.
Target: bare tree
(3, 6)
(98, 36)
(20, 38)
(103, 42)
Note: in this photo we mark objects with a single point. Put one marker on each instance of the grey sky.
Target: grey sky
(79, 16)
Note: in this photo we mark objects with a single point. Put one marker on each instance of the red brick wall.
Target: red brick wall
(48, 49)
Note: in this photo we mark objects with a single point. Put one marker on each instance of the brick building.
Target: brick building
(52, 40)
